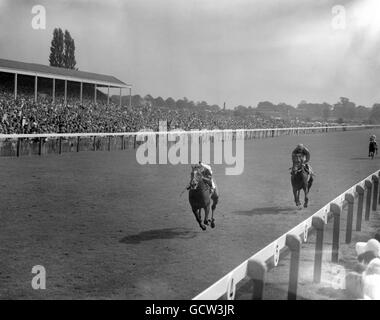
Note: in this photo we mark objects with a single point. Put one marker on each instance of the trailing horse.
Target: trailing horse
(200, 197)
(301, 180)
(372, 149)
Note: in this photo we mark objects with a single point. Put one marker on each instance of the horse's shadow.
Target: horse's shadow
(159, 234)
(361, 158)
(268, 210)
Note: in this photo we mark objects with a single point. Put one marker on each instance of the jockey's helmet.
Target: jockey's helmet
(300, 145)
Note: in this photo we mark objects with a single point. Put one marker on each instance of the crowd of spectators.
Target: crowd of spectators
(24, 115)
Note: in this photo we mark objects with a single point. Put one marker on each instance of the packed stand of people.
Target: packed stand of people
(24, 115)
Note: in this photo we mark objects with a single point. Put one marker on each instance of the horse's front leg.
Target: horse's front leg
(207, 211)
(306, 191)
(197, 214)
(214, 203)
(296, 196)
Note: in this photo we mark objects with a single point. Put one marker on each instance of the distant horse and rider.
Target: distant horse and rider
(301, 174)
(203, 191)
(372, 149)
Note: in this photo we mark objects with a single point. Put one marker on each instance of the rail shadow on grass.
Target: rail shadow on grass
(159, 234)
(268, 210)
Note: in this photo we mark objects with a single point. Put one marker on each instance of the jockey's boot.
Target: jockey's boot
(213, 187)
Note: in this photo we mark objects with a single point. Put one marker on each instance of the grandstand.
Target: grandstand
(21, 71)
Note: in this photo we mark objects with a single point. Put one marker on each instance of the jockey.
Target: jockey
(207, 174)
(301, 149)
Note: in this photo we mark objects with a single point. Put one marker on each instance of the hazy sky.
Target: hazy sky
(237, 51)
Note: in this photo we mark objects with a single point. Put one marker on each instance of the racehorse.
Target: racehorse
(300, 179)
(200, 197)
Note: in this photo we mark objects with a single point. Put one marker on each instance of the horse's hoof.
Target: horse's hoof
(203, 228)
(212, 224)
(205, 222)
(305, 205)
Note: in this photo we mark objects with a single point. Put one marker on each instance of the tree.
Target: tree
(62, 50)
(137, 101)
(170, 103)
(159, 102)
(326, 112)
(69, 51)
(362, 113)
(148, 100)
(375, 113)
(265, 105)
(345, 109)
(56, 49)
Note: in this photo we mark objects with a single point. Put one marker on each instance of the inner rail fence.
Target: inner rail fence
(46, 143)
(256, 267)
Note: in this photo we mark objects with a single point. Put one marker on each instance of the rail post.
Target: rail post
(375, 180)
(109, 143)
(18, 147)
(350, 214)
(122, 142)
(256, 270)
(40, 146)
(60, 145)
(360, 191)
(293, 242)
(319, 225)
(94, 144)
(336, 211)
(78, 141)
(368, 185)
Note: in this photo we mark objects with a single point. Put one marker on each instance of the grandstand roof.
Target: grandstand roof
(44, 71)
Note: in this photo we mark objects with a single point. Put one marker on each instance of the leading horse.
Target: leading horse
(301, 180)
(200, 197)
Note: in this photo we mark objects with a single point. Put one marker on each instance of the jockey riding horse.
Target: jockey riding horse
(305, 153)
(301, 174)
(372, 146)
(207, 177)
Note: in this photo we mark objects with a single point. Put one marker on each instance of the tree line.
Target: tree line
(343, 110)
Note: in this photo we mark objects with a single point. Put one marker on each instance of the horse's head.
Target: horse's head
(196, 176)
(298, 164)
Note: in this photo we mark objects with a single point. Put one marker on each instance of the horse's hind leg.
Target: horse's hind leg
(197, 213)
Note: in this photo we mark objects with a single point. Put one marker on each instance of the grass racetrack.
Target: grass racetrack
(104, 226)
